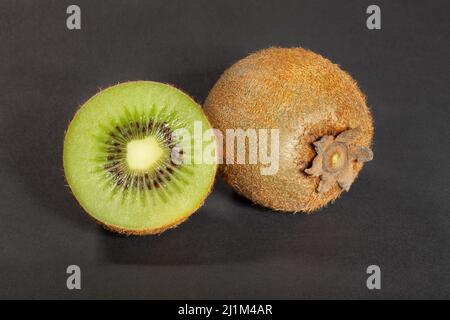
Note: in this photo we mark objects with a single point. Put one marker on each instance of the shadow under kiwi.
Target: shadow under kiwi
(226, 229)
(229, 229)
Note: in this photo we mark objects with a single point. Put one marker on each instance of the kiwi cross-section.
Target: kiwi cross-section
(127, 165)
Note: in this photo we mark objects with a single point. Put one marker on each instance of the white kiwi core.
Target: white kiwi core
(143, 154)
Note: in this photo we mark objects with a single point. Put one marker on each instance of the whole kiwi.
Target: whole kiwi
(325, 126)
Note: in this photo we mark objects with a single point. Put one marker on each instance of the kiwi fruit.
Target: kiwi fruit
(125, 163)
(325, 127)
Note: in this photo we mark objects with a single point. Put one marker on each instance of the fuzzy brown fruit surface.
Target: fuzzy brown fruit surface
(325, 126)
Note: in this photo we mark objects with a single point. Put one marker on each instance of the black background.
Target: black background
(395, 216)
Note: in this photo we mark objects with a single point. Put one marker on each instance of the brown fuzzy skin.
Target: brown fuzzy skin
(305, 96)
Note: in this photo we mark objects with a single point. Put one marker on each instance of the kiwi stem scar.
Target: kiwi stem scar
(334, 158)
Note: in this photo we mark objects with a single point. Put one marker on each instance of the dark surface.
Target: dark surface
(396, 215)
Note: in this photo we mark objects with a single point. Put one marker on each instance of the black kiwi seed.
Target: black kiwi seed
(148, 184)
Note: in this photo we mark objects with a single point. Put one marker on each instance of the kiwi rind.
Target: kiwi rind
(304, 95)
(205, 185)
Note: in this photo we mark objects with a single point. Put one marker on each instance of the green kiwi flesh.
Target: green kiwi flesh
(119, 163)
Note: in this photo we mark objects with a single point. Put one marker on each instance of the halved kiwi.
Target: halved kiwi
(125, 159)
